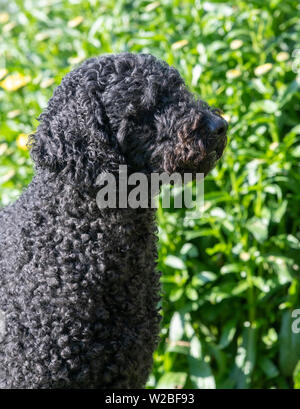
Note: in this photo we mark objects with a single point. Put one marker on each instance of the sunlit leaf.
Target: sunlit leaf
(22, 141)
(176, 329)
(200, 374)
(14, 82)
(172, 380)
(234, 73)
(263, 69)
(236, 44)
(175, 262)
(179, 44)
(75, 22)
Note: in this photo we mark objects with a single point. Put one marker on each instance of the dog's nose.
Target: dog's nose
(217, 126)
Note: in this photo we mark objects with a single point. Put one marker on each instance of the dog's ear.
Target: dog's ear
(121, 136)
(143, 99)
(72, 132)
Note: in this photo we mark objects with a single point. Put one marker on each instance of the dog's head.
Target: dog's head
(126, 109)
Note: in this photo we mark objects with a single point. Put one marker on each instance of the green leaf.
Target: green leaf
(176, 329)
(289, 342)
(189, 250)
(176, 294)
(241, 287)
(280, 211)
(245, 358)
(296, 151)
(196, 348)
(172, 380)
(175, 262)
(268, 367)
(219, 247)
(282, 266)
(296, 376)
(266, 105)
(291, 89)
(191, 293)
(231, 268)
(228, 333)
(259, 228)
(200, 374)
(203, 278)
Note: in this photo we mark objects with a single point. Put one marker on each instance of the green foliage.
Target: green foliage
(230, 278)
(297, 376)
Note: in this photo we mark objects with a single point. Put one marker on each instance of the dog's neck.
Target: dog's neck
(76, 199)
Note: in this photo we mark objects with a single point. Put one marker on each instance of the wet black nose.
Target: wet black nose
(217, 126)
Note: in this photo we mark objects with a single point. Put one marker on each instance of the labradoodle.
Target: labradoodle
(79, 289)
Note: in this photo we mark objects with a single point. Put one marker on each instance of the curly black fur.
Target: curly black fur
(79, 290)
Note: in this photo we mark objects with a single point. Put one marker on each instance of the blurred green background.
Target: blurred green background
(230, 279)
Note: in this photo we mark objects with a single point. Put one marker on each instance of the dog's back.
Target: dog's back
(78, 294)
(79, 290)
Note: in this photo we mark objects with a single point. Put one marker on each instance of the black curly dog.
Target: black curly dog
(79, 289)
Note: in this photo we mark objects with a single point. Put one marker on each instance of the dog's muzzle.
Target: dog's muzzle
(217, 127)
